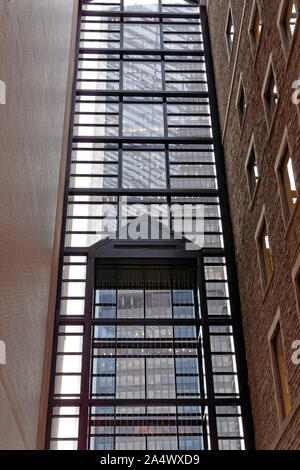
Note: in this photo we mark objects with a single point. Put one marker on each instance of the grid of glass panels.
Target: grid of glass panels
(145, 362)
(152, 428)
(143, 131)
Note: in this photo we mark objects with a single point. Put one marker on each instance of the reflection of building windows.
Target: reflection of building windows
(142, 75)
(190, 443)
(144, 170)
(143, 120)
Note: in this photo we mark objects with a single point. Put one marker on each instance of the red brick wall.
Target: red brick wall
(258, 308)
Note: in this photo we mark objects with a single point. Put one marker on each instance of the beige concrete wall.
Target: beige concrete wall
(34, 58)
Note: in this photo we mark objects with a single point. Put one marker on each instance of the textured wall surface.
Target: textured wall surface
(34, 54)
(258, 308)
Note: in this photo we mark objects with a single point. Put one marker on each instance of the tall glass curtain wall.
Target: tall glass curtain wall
(142, 129)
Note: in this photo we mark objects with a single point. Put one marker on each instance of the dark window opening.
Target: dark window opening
(252, 170)
(288, 183)
(271, 95)
(281, 373)
(230, 32)
(242, 105)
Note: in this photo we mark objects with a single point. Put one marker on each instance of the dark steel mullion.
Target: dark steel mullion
(179, 126)
(121, 106)
(143, 140)
(174, 353)
(86, 356)
(117, 51)
(97, 125)
(165, 109)
(83, 69)
(145, 93)
(203, 82)
(120, 184)
(213, 433)
(94, 162)
(94, 175)
(142, 192)
(138, 14)
(183, 162)
(232, 401)
(99, 40)
(177, 114)
(99, 30)
(104, 80)
(197, 307)
(83, 113)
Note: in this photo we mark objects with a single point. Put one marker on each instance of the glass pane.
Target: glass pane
(130, 304)
(151, 170)
(143, 120)
(158, 304)
(142, 76)
(160, 378)
(141, 36)
(130, 379)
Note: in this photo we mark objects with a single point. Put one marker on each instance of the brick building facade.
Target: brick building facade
(254, 42)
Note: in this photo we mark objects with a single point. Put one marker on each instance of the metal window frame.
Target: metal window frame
(168, 250)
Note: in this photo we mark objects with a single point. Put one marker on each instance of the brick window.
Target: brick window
(230, 32)
(255, 26)
(264, 251)
(280, 373)
(270, 94)
(241, 103)
(289, 20)
(288, 184)
(252, 171)
(296, 282)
